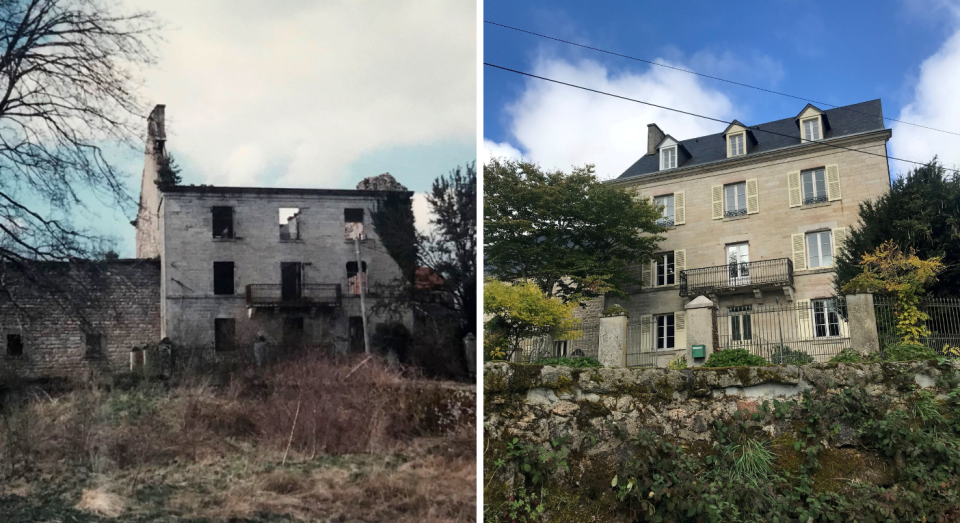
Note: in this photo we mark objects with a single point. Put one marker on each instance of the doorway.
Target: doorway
(738, 264)
(290, 281)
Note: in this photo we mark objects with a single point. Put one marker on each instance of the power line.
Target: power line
(651, 62)
(755, 128)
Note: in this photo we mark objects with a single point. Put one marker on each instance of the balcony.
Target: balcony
(737, 277)
(305, 295)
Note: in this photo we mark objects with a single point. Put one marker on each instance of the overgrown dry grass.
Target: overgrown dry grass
(365, 444)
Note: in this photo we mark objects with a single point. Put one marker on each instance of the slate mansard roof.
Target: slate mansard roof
(843, 121)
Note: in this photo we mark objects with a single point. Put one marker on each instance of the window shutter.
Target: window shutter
(799, 252)
(679, 261)
(803, 310)
(793, 184)
(839, 240)
(679, 208)
(646, 333)
(680, 330)
(717, 194)
(680, 322)
(833, 182)
(646, 275)
(753, 196)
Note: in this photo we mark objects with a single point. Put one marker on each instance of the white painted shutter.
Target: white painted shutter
(799, 252)
(646, 276)
(679, 208)
(839, 241)
(717, 195)
(679, 261)
(646, 333)
(805, 322)
(833, 182)
(753, 196)
(680, 330)
(793, 185)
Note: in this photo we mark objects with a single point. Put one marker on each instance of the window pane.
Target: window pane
(660, 272)
(731, 197)
(670, 268)
(747, 334)
(826, 251)
(735, 328)
(821, 184)
(808, 190)
(813, 255)
(816, 129)
(741, 196)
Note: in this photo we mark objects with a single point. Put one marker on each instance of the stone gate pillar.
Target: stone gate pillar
(613, 341)
(862, 321)
(700, 327)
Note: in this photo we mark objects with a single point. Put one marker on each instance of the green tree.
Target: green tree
(921, 212)
(522, 310)
(168, 172)
(573, 235)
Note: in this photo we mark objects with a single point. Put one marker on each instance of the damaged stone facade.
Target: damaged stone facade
(76, 319)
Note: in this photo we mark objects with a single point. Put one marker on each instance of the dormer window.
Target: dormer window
(668, 157)
(737, 146)
(811, 129)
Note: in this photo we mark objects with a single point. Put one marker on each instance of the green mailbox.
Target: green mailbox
(699, 351)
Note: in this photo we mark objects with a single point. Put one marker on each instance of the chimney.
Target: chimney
(156, 133)
(654, 137)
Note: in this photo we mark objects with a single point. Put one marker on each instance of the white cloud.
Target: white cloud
(421, 213)
(290, 93)
(493, 150)
(935, 104)
(559, 126)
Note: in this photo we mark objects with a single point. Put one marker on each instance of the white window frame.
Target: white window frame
(667, 261)
(663, 324)
(826, 317)
(815, 251)
(667, 214)
(813, 182)
(668, 161)
(741, 325)
(815, 126)
(738, 143)
(739, 200)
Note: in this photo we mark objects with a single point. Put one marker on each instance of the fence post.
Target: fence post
(862, 319)
(613, 341)
(699, 319)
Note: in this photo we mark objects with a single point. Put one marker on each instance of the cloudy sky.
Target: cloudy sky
(907, 53)
(312, 94)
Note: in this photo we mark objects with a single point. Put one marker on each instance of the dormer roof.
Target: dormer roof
(734, 127)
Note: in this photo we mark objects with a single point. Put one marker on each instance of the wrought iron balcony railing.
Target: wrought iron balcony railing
(810, 200)
(730, 213)
(303, 295)
(747, 275)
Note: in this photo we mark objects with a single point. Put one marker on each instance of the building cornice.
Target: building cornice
(752, 160)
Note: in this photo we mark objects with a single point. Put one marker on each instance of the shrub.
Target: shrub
(579, 363)
(678, 363)
(734, 358)
(615, 310)
(783, 355)
(393, 337)
(847, 356)
(908, 352)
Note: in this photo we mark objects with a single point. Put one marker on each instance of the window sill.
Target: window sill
(228, 240)
(735, 218)
(815, 205)
(675, 286)
(818, 270)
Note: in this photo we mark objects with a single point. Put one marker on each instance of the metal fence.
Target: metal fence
(640, 354)
(792, 332)
(581, 343)
(943, 322)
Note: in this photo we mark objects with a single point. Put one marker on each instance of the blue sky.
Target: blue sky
(905, 53)
(307, 94)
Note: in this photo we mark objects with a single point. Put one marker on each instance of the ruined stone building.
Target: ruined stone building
(217, 268)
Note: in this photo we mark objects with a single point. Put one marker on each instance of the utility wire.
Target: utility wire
(754, 128)
(651, 62)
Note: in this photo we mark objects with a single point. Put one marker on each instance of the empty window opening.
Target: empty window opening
(291, 281)
(14, 345)
(736, 199)
(666, 269)
(225, 334)
(814, 186)
(560, 348)
(356, 334)
(826, 321)
(292, 332)
(223, 278)
(223, 222)
(94, 344)
(289, 223)
(353, 223)
(665, 331)
(353, 283)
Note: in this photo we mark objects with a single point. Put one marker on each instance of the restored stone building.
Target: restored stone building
(755, 216)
